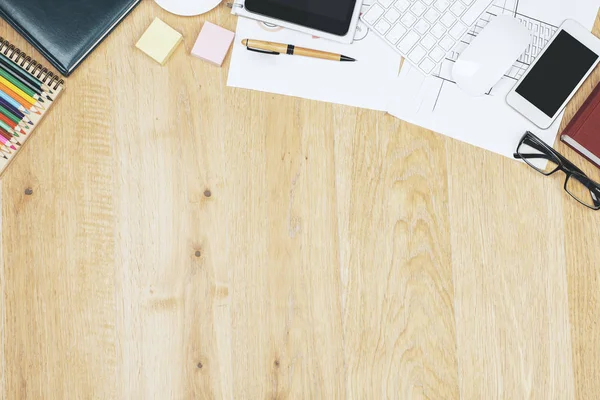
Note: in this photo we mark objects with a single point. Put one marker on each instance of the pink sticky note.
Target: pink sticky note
(213, 43)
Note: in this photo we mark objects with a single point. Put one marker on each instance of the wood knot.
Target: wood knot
(28, 191)
(276, 363)
(207, 193)
(197, 253)
(199, 365)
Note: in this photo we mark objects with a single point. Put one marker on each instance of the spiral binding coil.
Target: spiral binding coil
(29, 65)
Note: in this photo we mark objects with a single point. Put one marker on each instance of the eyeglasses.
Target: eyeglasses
(545, 160)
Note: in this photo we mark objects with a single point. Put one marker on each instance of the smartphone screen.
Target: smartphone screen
(557, 73)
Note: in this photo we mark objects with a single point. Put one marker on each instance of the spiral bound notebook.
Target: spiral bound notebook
(27, 92)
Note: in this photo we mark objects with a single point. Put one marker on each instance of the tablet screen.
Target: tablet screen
(331, 16)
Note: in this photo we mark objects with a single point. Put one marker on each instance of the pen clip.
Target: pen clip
(263, 51)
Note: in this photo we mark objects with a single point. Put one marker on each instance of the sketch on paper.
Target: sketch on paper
(541, 31)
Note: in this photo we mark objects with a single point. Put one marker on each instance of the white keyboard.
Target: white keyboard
(423, 31)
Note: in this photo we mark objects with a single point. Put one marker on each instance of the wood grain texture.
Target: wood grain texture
(186, 240)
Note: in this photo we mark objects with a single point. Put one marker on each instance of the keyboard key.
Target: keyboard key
(431, 15)
(438, 30)
(442, 5)
(382, 26)
(427, 65)
(417, 54)
(402, 5)
(421, 27)
(373, 14)
(408, 42)
(447, 43)
(418, 8)
(428, 42)
(458, 9)
(396, 34)
(438, 54)
(385, 3)
(392, 15)
(475, 12)
(458, 30)
(448, 20)
(408, 20)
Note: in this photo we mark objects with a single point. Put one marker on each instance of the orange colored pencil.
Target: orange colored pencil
(15, 96)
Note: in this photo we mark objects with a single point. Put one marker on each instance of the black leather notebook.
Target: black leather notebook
(65, 31)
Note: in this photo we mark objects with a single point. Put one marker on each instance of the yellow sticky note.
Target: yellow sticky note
(159, 41)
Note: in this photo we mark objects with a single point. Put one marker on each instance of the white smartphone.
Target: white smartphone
(556, 75)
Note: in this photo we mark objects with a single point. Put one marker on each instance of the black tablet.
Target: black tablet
(331, 16)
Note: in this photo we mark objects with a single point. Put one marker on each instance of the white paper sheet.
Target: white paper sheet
(364, 83)
(488, 122)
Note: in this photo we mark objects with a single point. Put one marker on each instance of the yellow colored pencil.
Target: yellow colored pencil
(18, 91)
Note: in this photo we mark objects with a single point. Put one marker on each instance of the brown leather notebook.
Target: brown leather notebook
(583, 132)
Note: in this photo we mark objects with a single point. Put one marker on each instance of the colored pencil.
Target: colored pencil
(11, 108)
(23, 84)
(16, 69)
(7, 144)
(18, 91)
(13, 117)
(16, 97)
(24, 119)
(6, 141)
(8, 129)
(11, 123)
(7, 121)
(10, 115)
(13, 102)
(10, 137)
(18, 83)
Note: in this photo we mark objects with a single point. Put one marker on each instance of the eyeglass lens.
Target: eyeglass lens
(537, 157)
(584, 190)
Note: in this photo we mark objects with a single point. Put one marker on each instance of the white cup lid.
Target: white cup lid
(188, 8)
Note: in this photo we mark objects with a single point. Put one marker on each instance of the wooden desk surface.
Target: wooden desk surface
(189, 240)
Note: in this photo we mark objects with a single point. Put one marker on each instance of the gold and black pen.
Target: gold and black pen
(290, 49)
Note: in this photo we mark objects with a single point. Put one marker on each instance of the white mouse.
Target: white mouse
(491, 54)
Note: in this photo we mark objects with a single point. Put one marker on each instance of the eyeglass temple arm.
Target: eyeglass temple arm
(531, 156)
